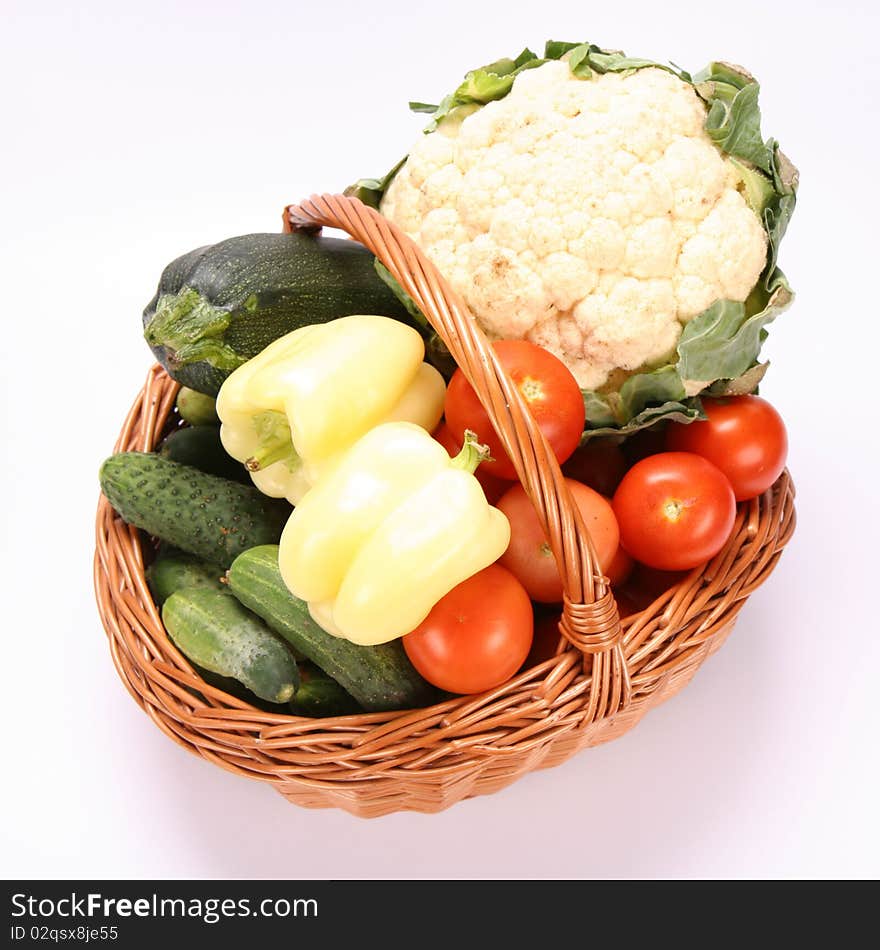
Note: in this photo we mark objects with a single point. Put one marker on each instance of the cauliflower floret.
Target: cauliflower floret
(594, 217)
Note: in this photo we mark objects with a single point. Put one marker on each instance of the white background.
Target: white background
(132, 134)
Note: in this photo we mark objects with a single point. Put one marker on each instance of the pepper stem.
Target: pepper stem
(276, 444)
(471, 454)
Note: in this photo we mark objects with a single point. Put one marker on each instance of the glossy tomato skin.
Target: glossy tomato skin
(493, 488)
(477, 636)
(528, 556)
(620, 568)
(546, 637)
(551, 392)
(600, 464)
(744, 436)
(675, 511)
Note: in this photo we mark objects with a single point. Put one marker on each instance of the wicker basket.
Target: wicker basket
(605, 676)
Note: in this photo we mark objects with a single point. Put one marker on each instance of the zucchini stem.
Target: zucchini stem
(191, 330)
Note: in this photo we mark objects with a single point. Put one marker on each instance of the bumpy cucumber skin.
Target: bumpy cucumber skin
(179, 571)
(196, 408)
(200, 446)
(233, 688)
(211, 628)
(271, 284)
(211, 517)
(319, 695)
(378, 677)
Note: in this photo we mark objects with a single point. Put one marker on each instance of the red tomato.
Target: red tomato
(643, 443)
(549, 389)
(675, 510)
(528, 556)
(546, 638)
(493, 488)
(600, 464)
(620, 568)
(477, 636)
(445, 437)
(744, 436)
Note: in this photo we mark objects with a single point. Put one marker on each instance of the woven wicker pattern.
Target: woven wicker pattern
(604, 678)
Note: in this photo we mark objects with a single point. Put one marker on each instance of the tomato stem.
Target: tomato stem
(672, 508)
(531, 389)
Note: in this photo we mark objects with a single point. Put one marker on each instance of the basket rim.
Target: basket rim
(603, 678)
(667, 609)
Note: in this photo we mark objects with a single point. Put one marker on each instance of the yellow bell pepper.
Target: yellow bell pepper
(395, 526)
(292, 410)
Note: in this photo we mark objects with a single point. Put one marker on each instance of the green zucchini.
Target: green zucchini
(378, 677)
(218, 306)
(205, 515)
(211, 628)
(198, 409)
(200, 446)
(176, 570)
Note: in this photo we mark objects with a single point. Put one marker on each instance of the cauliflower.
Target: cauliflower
(596, 205)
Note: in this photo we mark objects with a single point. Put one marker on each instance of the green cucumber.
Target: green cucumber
(176, 570)
(379, 677)
(196, 408)
(211, 628)
(218, 306)
(232, 687)
(200, 446)
(205, 515)
(320, 695)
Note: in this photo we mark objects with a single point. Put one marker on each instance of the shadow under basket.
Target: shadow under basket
(606, 675)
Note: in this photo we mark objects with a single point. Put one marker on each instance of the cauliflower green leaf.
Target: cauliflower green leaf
(641, 401)
(733, 121)
(724, 341)
(717, 354)
(718, 348)
(688, 411)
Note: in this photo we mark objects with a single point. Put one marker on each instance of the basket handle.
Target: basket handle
(590, 619)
